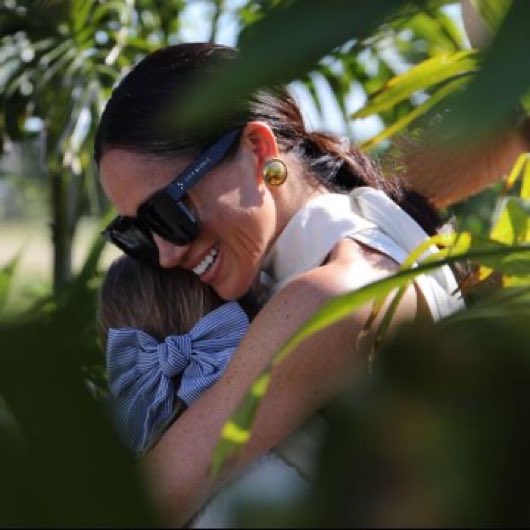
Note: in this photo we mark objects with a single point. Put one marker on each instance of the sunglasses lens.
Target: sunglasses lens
(170, 219)
(132, 240)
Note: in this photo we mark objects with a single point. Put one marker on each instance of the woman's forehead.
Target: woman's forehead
(128, 178)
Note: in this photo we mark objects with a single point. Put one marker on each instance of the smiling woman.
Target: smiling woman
(294, 214)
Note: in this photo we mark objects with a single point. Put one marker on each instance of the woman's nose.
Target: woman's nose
(169, 254)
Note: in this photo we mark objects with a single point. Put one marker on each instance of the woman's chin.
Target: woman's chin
(229, 294)
(232, 290)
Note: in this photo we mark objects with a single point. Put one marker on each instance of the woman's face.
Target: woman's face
(236, 210)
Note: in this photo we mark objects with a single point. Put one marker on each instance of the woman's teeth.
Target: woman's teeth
(206, 263)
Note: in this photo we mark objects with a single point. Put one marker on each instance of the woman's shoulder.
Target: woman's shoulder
(349, 265)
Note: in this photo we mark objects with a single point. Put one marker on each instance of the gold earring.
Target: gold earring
(274, 172)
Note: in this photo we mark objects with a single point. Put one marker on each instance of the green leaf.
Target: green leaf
(95, 250)
(492, 11)
(517, 170)
(513, 258)
(525, 184)
(418, 111)
(286, 44)
(525, 102)
(6, 279)
(437, 30)
(495, 91)
(425, 75)
(452, 30)
(54, 52)
(236, 431)
(387, 320)
(457, 244)
(72, 469)
(80, 12)
(513, 224)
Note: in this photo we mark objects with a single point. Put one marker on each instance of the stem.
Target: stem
(61, 235)
(219, 5)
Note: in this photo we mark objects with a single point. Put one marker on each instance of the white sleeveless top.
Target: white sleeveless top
(372, 218)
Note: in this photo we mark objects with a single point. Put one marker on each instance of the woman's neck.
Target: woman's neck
(299, 188)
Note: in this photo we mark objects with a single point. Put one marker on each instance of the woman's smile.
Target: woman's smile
(206, 263)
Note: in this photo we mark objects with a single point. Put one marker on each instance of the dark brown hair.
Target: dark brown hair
(159, 301)
(157, 81)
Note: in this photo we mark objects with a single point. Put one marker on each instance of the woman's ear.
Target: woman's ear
(259, 138)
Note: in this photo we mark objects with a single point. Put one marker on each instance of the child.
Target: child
(168, 337)
(146, 316)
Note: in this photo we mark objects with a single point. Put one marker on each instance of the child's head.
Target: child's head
(168, 337)
(159, 301)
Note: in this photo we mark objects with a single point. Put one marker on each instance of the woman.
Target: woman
(271, 198)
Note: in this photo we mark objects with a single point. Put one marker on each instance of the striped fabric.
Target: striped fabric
(142, 371)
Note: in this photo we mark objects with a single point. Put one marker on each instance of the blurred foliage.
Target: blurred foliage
(6, 277)
(59, 61)
(471, 113)
(438, 435)
(62, 463)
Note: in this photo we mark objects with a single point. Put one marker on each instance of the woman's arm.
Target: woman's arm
(448, 174)
(178, 467)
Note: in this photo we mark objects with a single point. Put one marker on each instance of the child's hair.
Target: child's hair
(161, 302)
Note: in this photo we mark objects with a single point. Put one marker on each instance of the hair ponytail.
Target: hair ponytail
(342, 168)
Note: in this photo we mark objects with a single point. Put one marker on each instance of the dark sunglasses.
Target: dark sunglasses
(166, 213)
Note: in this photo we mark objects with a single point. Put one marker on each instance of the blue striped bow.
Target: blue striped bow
(142, 371)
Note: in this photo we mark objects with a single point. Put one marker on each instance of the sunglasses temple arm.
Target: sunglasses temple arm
(210, 158)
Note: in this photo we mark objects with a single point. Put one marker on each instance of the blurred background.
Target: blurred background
(438, 436)
(110, 44)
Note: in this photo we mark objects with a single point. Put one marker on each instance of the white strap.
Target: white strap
(370, 217)
(439, 286)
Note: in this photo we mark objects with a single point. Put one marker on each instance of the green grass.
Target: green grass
(33, 273)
